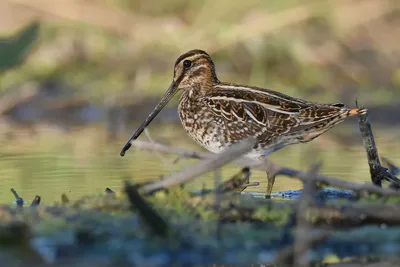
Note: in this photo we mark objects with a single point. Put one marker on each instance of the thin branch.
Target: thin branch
(204, 166)
(108, 191)
(145, 145)
(244, 186)
(161, 158)
(236, 183)
(393, 169)
(267, 164)
(18, 200)
(35, 201)
(64, 199)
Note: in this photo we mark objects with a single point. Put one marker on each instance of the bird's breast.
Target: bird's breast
(201, 124)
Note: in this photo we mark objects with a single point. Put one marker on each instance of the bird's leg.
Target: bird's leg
(271, 171)
(271, 180)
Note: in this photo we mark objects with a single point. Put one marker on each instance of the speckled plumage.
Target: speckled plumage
(217, 114)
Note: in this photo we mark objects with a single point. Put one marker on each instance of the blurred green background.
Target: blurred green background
(88, 73)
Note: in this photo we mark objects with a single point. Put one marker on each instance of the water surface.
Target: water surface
(83, 161)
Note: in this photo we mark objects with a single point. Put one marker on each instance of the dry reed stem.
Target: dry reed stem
(280, 170)
(214, 162)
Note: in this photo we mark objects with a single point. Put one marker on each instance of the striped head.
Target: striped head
(193, 70)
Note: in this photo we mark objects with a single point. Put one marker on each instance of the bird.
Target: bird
(217, 114)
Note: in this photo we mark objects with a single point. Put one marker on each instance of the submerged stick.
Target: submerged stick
(378, 173)
(64, 199)
(18, 200)
(108, 191)
(272, 166)
(35, 201)
(214, 162)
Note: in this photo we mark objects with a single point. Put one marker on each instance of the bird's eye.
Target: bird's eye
(187, 63)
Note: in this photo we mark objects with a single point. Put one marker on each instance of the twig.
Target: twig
(339, 183)
(393, 169)
(35, 201)
(378, 173)
(204, 166)
(236, 182)
(170, 150)
(64, 199)
(268, 164)
(156, 223)
(244, 186)
(108, 191)
(18, 200)
(160, 157)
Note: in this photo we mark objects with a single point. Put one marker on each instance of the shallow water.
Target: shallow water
(83, 161)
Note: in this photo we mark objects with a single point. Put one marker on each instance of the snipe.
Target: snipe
(217, 114)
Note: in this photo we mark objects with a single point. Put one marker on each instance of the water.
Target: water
(83, 161)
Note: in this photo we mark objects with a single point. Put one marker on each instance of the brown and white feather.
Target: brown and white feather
(217, 114)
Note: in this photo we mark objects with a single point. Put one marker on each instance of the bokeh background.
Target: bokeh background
(96, 68)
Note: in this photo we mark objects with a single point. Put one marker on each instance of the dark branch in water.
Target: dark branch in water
(378, 173)
(64, 199)
(108, 191)
(273, 167)
(156, 223)
(18, 199)
(35, 201)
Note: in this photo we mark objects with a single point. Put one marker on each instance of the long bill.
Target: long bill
(164, 100)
